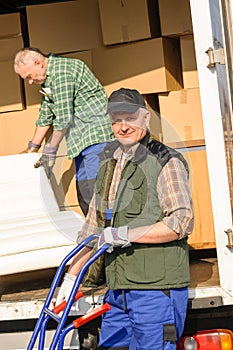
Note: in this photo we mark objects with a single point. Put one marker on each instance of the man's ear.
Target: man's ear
(38, 63)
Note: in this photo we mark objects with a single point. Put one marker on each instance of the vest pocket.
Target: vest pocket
(145, 264)
(134, 198)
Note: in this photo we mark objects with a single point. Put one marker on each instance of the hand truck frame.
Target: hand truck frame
(47, 314)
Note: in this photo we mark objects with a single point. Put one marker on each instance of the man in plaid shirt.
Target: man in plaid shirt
(144, 184)
(74, 103)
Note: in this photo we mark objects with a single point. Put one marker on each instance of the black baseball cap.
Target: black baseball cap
(125, 100)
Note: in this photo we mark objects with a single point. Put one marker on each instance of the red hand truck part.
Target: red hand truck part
(82, 320)
(62, 306)
(47, 314)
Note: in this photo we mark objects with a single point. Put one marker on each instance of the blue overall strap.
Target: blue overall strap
(108, 217)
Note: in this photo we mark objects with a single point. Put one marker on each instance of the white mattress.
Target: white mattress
(34, 233)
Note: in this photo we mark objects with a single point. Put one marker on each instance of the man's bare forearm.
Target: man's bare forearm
(79, 260)
(40, 134)
(157, 233)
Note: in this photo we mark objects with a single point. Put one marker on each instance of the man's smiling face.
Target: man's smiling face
(130, 128)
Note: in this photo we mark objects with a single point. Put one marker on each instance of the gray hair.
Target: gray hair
(27, 56)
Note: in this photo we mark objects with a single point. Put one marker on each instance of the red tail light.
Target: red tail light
(216, 339)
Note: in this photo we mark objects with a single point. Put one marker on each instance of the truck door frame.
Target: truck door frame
(208, 33)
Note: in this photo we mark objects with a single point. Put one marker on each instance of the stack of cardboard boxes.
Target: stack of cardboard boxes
(161, 61)
(143, 44)
(10, 41)
(15, 121)
(181, 111)
(181, 118)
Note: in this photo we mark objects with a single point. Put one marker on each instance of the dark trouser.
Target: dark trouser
(85, 190)
(87, 165)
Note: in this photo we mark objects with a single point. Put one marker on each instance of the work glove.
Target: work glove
(65, 289)
(48, 159)
(32, 147)
(117, 237)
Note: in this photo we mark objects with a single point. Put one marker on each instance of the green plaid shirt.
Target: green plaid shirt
(75, 100)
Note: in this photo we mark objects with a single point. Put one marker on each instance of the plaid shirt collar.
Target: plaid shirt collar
(137, 152)
(119, 153)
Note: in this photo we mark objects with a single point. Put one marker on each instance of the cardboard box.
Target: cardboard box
(9, 47)
(64, 26)
(10, 88)
(85, 56)
(152, 104)
(148, 66)
(130, 20)
(32, 95)
(188, 61)
(10, 25)
(10, 83)
(175, 17)
(32, 92)
(64, 181)
(181, 117)
(16, 129)
(203, 235)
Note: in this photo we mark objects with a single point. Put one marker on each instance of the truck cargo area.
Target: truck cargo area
(179, 55)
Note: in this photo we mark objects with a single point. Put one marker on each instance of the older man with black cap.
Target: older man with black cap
(143, 187)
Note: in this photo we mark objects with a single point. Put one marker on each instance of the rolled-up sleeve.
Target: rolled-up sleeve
(175, 198)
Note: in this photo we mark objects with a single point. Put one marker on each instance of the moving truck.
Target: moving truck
(192, 114)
